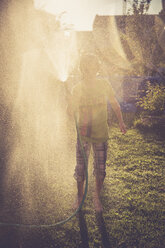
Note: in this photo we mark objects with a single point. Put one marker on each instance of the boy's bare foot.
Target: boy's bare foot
(97, 204)
(77, 202)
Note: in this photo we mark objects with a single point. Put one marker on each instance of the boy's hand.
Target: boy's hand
(122, 127)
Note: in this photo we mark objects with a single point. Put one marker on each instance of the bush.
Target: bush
(153, 103)
(145, 123)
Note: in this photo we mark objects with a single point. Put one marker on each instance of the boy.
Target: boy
(89, 103)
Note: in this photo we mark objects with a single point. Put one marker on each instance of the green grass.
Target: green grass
(133, 198)
(136, 182)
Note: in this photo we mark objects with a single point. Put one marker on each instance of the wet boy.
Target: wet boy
(89, 101)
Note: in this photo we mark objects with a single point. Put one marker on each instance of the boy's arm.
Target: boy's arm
(116, 107)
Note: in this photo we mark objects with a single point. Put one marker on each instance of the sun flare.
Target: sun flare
(73, 12)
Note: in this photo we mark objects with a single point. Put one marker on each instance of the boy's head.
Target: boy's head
(89, 64)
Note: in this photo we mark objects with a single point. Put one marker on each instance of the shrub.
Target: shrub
(153, 103)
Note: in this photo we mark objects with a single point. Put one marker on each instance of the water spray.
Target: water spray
(63, 61)
(76, 211)
(34, 114)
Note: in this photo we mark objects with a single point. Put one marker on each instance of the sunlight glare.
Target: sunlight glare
(74, 12)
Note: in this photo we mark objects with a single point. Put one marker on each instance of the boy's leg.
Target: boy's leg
(100, 155)
(79, 174)
(80, 193)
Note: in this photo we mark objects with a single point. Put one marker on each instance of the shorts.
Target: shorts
(100, 156)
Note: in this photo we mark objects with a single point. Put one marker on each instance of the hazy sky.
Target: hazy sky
(81, 13)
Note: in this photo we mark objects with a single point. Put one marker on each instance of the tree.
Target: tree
(140, 35)
(138, 7)
(153, 102)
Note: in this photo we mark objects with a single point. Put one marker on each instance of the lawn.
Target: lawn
(133, 198)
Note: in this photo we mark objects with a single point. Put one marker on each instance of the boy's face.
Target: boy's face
(89, 66)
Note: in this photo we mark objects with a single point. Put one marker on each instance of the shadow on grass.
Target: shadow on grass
(83, 230)
(25, 238)
(103, 231)
(9, 237)
(157, 131)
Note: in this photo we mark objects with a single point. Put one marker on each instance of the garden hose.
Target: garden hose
(76, 211)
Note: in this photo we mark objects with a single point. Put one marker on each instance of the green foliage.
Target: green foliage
(143, 37)
(139, 7)
(154, 101)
